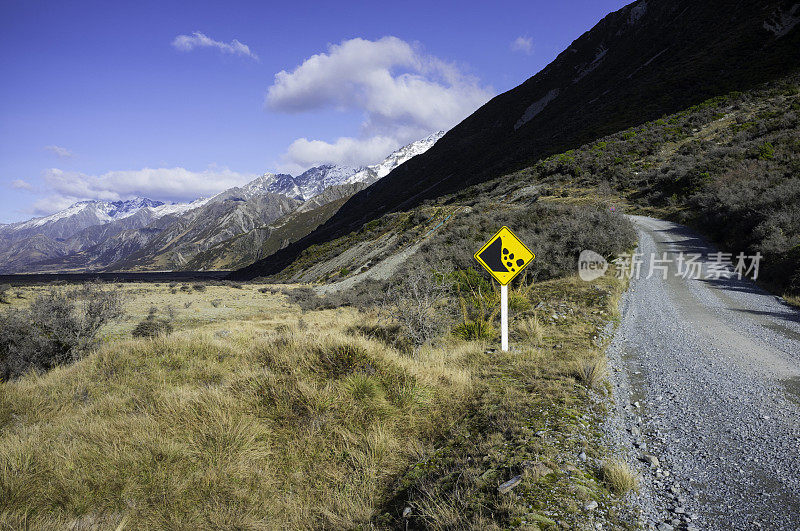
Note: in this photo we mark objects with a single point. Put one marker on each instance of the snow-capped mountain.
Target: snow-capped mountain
(84, 214)
(103, 211)
(313, 181)
(269, 183)
(140, 232)
(372, 173)
(77, 217)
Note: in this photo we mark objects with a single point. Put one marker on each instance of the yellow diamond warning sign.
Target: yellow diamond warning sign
(504, 256)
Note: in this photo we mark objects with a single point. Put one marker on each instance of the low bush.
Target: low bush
(555, 233)
(530, 330)
(590, 371)
(58, 327)
(475, 330)
(5, 290)
(152, 326)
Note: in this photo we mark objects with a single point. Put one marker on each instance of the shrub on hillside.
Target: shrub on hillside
(555, 233)
(152, 326)
(57, 328)
(5, 290)
(415, 299)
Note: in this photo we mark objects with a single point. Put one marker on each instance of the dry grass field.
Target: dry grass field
(256, 415)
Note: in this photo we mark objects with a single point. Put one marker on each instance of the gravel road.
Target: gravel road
(706, 377)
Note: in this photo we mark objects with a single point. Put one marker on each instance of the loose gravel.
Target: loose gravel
(706, 380)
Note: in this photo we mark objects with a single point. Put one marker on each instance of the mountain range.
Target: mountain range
(646, 60)
(144, 234)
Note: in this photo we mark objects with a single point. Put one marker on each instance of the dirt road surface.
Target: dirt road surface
(706, 375)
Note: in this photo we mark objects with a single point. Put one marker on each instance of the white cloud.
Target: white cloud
(187, 43)
(19, 184)
(403, 94)
(522, 44)
(345, 151)
(165, 184)
(52, 204)
(62, 152)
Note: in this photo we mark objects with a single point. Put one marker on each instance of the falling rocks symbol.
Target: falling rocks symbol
(493, 256)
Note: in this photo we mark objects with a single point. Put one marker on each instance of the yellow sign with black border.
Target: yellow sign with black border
(504, 256)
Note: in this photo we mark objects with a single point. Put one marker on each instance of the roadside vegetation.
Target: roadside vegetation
(271, 406)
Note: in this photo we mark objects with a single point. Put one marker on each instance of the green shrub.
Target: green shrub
(57, 328)
(150, 328)
(475, 330)
(766, 151)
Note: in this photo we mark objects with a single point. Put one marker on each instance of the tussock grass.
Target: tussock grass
(530, 330)
(289, 428)
(590, 370)
(619, 477)
(523, 418)
(794, 300)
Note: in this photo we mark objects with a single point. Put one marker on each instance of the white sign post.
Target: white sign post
(504, 317)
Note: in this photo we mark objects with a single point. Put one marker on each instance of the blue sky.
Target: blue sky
(176, 100)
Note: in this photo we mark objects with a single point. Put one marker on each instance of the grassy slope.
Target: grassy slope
(528, 417)
(279, 418)
(277, 424)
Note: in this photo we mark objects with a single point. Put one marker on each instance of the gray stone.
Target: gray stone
(651, 460)
(591, 506)
(510, 484)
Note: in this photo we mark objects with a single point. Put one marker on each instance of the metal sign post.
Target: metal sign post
(504, 256)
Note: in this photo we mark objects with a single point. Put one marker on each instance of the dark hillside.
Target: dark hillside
(641, 62)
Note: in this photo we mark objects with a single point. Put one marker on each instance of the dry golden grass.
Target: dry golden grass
(794, 300)
(279, 424)
(191, 309)
(255, 415)
(590, 370)
(619, 477)
(529, 329)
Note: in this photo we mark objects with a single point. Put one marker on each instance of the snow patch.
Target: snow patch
(535, 108)
(783, 22)
(178, 208)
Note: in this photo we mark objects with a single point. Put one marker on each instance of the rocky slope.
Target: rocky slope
(248, 247)
(77, 217)
(648, 59)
